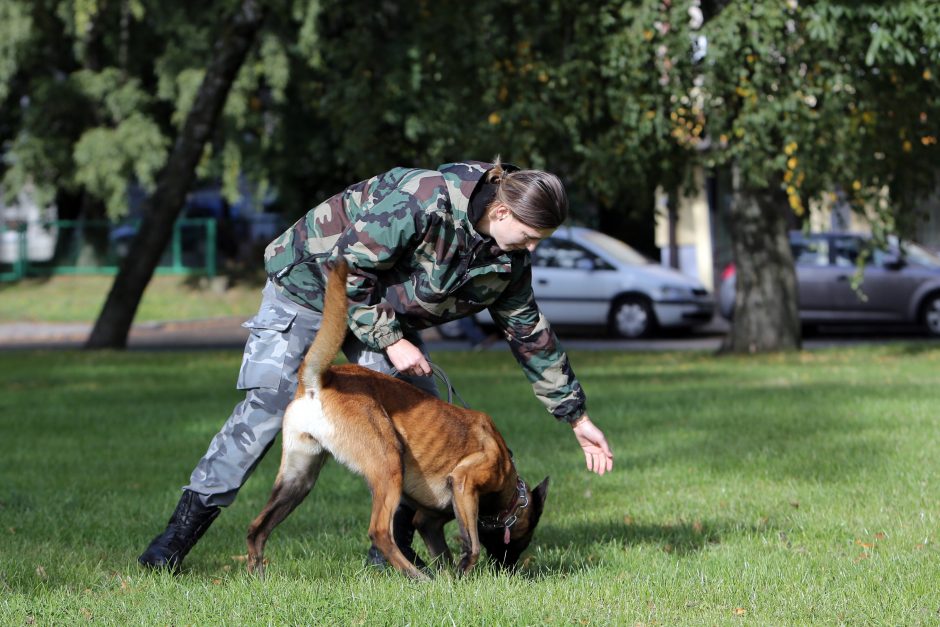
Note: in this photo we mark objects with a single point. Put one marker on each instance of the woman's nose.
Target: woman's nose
(531, 247)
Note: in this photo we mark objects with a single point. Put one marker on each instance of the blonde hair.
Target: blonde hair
(534, 197)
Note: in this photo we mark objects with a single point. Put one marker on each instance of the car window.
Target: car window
(845, 251)
(559, 253)
(811, 252)
(615, 249)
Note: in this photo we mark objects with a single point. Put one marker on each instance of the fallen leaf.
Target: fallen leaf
(86, 613)
(920, 547)
(31, 620)
(628, 520)
(866, 545)
(863, 556)
(240, 558)
(880, 535)
(41, 572)
(697, 526)
(740, 611)
(12, 529)
(668, 548)
(227, 567)
(217, 582)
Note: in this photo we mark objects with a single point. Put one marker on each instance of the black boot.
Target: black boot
(186, 526)
(403, 531)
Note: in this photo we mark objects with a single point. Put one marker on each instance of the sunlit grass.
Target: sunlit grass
(80, 298)
(796, 489)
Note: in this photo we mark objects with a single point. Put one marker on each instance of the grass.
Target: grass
(79, 298)
(784, 490)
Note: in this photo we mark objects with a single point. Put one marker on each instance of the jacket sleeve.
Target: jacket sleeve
(536, 348)
(371, 245)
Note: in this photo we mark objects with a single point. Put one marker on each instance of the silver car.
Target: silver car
(583, 277)
(900, 284)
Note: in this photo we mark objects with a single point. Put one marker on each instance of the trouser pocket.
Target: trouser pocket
(267, 347)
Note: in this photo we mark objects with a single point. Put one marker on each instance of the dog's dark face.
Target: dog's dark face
(493, 540)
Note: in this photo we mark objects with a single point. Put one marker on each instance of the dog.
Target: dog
(444, 461)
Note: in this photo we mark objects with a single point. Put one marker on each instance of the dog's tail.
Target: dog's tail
(332, 331)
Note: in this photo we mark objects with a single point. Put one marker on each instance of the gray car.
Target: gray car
(900, 284)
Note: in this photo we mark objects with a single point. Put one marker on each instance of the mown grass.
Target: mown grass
(79, 298)
(796, 489)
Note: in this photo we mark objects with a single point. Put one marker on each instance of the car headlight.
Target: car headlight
(674, 291)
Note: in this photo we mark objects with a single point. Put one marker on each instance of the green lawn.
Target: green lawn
(79, 298)
(779, 490)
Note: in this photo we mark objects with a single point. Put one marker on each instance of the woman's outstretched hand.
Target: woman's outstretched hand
(597, 454)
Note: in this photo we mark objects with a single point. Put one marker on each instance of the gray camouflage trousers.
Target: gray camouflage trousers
(280, 335)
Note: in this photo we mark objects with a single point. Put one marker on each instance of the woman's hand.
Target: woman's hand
(408, 358)
(597, 454)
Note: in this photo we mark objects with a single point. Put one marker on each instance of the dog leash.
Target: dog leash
(451, 390)
(438, 372)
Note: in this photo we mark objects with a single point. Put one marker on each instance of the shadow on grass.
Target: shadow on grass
(579, 548)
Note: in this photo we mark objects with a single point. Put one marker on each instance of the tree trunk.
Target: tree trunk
(161, 210)
(765, 309)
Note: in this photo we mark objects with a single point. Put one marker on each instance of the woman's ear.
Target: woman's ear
(500, 211)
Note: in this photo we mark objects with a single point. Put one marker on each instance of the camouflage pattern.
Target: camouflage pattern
(279, 337)
(416, 261)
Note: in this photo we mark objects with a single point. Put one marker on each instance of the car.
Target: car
(582, 277)
(900, 282)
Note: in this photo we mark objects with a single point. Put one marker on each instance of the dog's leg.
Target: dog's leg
(431, 529)
(301, 462)
(386, 494)
(466, 500)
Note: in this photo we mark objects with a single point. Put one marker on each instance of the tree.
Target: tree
(238, 35)
(807, 101)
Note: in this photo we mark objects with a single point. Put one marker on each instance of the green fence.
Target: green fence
(98, 246)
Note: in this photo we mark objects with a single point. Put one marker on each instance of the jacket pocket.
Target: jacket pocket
(266, 349)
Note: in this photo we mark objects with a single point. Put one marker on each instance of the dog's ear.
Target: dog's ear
(540, 492)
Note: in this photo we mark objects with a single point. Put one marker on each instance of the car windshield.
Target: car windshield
(615, 248)
(919, 255)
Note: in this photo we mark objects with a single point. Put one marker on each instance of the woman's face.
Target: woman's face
(511, 234)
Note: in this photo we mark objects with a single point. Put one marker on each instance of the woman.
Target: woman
(423, 247)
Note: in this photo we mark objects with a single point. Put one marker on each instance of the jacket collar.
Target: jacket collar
(463, 181)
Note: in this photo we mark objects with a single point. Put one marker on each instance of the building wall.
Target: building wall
(693, 232)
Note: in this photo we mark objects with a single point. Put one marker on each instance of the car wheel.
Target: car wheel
(631, 317)
(930, 314)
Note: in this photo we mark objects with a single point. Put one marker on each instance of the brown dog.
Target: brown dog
(445, 461)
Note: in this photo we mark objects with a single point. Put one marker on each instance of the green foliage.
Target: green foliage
(107, 158)
(826, 97)
(808, 97)
(15, 26)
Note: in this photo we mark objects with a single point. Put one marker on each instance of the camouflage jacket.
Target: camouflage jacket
(416, 260)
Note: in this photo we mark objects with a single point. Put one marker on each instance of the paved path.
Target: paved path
(227, 333)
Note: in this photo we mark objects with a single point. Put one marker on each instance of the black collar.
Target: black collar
(480, 199)
(508, 517)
